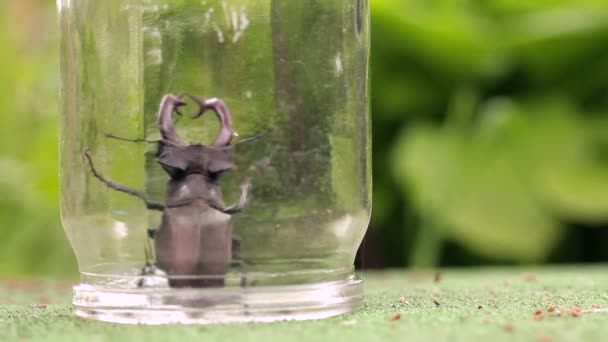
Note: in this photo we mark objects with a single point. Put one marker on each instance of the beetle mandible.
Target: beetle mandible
(195, 234)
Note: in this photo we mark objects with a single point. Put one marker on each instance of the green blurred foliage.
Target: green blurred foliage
(490, 131)
(31, 238)
(498, 111)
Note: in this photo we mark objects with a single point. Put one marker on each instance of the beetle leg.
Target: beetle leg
(237, 261)
(150, 267)
(233, 209)
(240, 265)
(236, 246)
(152, 205)
(148, 250)
(152, 233)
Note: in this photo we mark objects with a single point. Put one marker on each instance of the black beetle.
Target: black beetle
(194, 243)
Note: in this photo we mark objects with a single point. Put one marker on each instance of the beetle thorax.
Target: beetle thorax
(194, 187)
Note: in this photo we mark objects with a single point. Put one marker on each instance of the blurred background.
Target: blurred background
(490, 125)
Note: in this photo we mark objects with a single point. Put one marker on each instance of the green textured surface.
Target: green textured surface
(506, 296)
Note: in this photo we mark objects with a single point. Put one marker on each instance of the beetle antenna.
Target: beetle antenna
(252, 137)
(112, 136)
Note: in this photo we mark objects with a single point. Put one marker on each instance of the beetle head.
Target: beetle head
(179, 158)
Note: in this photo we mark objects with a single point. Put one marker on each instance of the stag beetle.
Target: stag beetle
(195, 235)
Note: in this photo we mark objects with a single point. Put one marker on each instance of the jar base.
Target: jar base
(218, 305)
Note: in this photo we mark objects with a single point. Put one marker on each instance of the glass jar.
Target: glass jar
(148, 182)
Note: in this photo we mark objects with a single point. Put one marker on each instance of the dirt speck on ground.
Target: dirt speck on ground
(576, 311)
(539, 315)
(394, 316)
(545, 338)
(437, 277)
